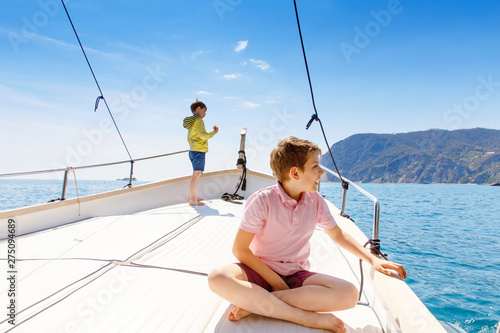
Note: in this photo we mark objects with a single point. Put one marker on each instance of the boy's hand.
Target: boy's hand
(281, 285)
(384, 266)
(216, 129)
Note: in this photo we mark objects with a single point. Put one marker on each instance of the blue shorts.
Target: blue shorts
(197, 160)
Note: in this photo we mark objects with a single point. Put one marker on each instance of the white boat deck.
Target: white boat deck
(146, 272)
(136, 260)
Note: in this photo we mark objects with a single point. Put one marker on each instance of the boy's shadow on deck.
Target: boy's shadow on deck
(206, 210)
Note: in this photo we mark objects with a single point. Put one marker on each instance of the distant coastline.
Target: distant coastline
(335, 180)
(127, 179)
(468, 156)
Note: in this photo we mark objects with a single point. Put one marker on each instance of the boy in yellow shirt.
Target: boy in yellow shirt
(198, 146)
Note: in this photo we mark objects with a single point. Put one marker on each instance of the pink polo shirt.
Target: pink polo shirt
(283, 227)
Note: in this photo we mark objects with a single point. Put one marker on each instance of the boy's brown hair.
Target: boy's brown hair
(291, 152)
(197, 104)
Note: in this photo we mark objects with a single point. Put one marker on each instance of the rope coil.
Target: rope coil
(243, 182)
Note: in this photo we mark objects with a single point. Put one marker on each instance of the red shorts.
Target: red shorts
(293, 281)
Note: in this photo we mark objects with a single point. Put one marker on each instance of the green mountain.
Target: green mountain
(433, 156)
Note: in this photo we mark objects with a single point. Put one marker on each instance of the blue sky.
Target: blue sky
(376, 67)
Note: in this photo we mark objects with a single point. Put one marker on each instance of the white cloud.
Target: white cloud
(249, 105)
(206, 93)
(261, 64)
(41, 39)
(20, 98)
(60, 43)
(194, 55)
(69, 46)
(154, 52)
(232, 76)
(242, 44)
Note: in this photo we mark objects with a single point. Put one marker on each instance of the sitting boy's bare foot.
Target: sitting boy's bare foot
(238, 313)
(325, 321)
(329, 322)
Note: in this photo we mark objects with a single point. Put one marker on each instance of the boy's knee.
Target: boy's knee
(346, 297)
(216, 278)
(352, 295)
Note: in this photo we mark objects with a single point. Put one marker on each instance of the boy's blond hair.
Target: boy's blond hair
(291, 152)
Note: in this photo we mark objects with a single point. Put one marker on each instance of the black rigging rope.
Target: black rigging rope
(97, 83)
(375, 243)
(315, 115)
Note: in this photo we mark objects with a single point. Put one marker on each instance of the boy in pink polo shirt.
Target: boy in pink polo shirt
(272, 278)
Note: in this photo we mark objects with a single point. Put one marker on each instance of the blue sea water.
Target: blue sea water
(16, 193)
(446, 236)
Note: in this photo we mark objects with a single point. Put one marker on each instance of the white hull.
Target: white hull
(135, 260)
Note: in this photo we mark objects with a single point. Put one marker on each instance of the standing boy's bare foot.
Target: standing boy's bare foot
(196, 203)
(238, 313)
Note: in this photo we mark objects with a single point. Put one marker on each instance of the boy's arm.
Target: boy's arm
(349, 243)
(201, 131)
(242, 252)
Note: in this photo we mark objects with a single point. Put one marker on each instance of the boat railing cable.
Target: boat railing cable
(374, 199)
(101, 96)
(72, 169)
(374, 242)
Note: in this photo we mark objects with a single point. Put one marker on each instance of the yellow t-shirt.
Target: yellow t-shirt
(197, 135)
